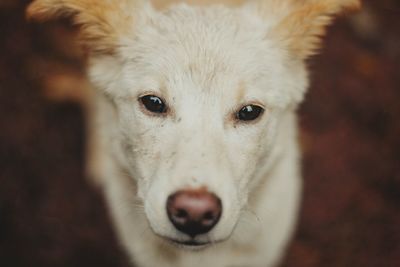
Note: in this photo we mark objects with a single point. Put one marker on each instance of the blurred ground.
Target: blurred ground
(50, 216)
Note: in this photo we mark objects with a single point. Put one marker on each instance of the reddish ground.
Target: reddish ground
(50, 216)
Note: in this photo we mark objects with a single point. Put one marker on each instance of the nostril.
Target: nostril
(180, 217)
(208, 218)
(181, 214)
(208, 215)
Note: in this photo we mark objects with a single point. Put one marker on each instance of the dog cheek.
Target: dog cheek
(150, 158)
(242, 158)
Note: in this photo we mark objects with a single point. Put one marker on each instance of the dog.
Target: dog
(193, 128)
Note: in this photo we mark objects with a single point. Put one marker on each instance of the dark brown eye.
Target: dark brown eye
(249, 113)
(153, 104)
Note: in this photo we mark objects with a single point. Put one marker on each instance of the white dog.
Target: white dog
(194, 135)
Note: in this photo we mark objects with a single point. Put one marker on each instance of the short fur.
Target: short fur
(206, 59)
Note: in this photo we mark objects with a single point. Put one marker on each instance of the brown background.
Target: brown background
(50, 216)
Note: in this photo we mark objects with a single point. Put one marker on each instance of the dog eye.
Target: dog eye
(153, 104)
(249, 113)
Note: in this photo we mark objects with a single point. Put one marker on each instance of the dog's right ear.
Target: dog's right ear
(102, 22)
(302, 23)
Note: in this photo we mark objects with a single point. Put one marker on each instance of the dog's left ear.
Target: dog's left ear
(302, 23)
(102, 22)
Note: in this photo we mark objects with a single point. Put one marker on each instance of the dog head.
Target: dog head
(198, 94)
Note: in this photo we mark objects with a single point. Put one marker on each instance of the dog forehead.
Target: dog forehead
(200, 31)
(207, 43)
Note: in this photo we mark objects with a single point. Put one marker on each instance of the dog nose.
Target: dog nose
(194, 212)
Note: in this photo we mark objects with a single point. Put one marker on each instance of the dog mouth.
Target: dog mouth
(190, 244)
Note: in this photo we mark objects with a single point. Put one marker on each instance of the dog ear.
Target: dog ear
(102, 22)
(304, 22)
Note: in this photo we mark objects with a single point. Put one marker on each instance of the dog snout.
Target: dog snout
(194, 212)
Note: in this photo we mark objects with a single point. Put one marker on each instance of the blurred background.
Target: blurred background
(350, 124)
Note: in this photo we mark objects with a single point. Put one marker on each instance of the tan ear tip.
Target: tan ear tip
(358, 5)
(31, 12)
(36, 12)
(355, 6)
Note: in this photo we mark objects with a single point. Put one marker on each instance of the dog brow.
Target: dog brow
(241, 92)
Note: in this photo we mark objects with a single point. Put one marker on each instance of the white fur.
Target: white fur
(198, 59)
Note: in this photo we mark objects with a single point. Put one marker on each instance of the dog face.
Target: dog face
(198, 94)
(198, 97)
